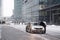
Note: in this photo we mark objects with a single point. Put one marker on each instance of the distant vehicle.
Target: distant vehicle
(9, 22)
(2, 22)
(36, 28)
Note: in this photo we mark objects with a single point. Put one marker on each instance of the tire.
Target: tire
(28, 29)
(0, 22)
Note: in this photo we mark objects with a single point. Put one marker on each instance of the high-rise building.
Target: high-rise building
(36, 10)
(17, 10)
(53, 2)
(31, 10)
(0, 9)
(52, 12)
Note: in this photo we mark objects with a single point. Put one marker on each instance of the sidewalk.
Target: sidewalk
(19, 27)
(54, 27)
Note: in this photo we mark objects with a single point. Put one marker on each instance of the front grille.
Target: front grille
(38, 28)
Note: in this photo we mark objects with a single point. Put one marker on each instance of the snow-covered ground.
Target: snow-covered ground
(22, 27)
(52, 33)
(54, 27)
(0, 30)
(52, 30)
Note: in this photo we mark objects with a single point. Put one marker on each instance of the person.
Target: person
(42, 24)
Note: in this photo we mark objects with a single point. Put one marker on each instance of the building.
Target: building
(17, 10)
(52, 12)
(37, 10)
(0, 8)
(52, 2)
(31, 10)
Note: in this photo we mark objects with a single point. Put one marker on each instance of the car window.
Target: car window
(36, 24)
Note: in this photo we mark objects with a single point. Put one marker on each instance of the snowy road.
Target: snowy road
(10, 33)
(53, 32)
(0, 31)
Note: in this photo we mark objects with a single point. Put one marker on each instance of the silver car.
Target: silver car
(35, 28)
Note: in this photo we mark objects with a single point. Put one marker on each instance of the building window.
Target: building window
(41, 2)
(17, 0)
(25, 1)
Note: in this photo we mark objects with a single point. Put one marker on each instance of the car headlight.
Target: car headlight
(43, 28)
(33, 28)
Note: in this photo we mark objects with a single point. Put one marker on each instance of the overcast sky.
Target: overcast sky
(7, 8)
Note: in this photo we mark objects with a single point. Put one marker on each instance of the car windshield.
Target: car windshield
(36, 24)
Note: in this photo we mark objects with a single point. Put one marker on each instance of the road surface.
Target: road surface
(0, 31)
(17, 32)
(10, 33)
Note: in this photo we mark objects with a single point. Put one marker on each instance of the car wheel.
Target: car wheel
(0, 22)
(28, 29)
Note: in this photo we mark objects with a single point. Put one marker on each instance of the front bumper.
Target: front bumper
(38, 30)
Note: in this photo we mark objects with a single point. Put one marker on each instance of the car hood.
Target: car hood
(33, 26)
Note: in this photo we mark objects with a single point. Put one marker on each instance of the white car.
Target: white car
(35, 28)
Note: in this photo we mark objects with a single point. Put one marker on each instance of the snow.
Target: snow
(55, 28)
(52, 30)
(0, 31)
(21, 27)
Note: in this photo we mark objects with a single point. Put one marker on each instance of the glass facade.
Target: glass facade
(52, 2)
(30, 11)
(51, 12)
(18, 9)
(0, 8)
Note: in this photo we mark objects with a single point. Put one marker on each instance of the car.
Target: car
(36, 28)
(2, 22)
